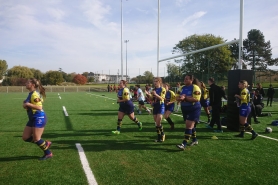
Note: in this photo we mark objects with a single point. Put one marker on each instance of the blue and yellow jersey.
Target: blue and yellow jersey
(34, 98)
(124, 94)
(161, 91)
(170, 96)
(245, 96)
(179, 90)
(205, 93)
(191, 91)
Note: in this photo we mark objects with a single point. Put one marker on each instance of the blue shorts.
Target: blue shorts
(38, 120)
(158, 108)
(204, 103)
(126, 107)
(170, 107)
(244, 110)
(191, 113)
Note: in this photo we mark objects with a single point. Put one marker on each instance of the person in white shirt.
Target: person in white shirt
(141, 99)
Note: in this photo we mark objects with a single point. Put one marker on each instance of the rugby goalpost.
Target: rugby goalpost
(240, 41)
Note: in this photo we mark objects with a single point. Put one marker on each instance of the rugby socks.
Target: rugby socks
(119, 124)
(43, 145)
(187, 135)
(194, 135)
(30, 139)
(158, 131)
(249, 128)
(136, 121)
(242, 130)
(169, 121)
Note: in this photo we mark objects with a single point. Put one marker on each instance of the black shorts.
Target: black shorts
(141, 102)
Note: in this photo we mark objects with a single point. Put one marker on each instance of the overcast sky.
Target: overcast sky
(85, 35)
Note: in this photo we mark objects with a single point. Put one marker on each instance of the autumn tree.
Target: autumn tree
(79, 79)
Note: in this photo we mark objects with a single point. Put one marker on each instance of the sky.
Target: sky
(85, 35)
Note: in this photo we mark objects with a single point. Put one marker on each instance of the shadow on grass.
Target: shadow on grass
(18, 158)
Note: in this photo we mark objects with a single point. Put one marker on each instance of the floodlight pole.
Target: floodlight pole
(240, 44)
(158, 15)
(126, 41)
(122, 39)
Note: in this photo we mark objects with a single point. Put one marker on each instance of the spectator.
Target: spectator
(259, 105)
(260, 89)
(215, 103)
(270, 94)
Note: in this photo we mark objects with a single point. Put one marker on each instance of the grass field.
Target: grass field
(131, 157)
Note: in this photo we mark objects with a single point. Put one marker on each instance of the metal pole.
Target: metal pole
(126, 41)
(158, 15)
(240, 45)
(122, 39)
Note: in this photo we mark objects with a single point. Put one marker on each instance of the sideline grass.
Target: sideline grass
(131, 157)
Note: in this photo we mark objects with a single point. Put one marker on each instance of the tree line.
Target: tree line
(257, 54)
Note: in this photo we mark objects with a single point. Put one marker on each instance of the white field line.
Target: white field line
(245, 132)
(60, 97)
(85, 164)
(65, 111)
(101, 96)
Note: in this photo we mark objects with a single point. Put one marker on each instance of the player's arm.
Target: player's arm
(36, 102)
(196, 95)
(173, 98)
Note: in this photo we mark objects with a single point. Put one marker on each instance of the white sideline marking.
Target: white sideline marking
(65, 111)
(101, 96)
(89, 174)
(60, 97)
(245, 132)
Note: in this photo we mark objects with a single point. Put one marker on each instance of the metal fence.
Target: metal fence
(22, 89)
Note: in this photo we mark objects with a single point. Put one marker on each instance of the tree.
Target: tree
(148, 77)
(53, 77)
(257, 51)
(37, 74)
(217, 60)
(69, 77)
(3, 68)
(173, 72)
(80, 79)
(20, 72)
(85, 74)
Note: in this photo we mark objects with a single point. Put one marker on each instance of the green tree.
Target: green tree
(148, 77)
(257, 51)
(37, 74)
(85, 74)
(53, 77)
(216, 60)
(20, 72)
(173, 73)
(3, 68)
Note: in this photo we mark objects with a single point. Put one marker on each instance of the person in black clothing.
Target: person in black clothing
(270, 93)
(260, 89)
(259, 105)
(253, 108)
(215, 102)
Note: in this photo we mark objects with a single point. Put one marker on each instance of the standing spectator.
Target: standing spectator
(244, 110)
(260, 89)
(215, 102)
(190, 96)
(108, 88)
(270, 94)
